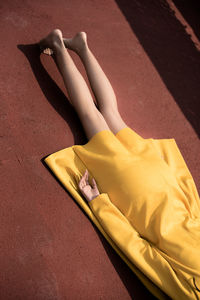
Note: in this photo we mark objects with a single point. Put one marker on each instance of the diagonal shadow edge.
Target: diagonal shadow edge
(170, 49)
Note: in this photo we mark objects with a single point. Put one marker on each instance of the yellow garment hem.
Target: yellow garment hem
(68, 168)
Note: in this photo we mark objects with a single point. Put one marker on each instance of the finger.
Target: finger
(86, 177)
(94, 183)
(85, 174)
(82, 181)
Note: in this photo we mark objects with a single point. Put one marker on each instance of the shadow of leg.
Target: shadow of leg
(52, 92)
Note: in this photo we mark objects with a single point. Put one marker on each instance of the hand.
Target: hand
(89, 192)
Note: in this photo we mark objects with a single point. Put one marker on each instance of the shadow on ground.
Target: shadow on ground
(190, 10)
(52, 92)
(170, 49)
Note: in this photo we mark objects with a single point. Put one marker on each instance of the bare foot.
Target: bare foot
(51, 42)
(77, 43)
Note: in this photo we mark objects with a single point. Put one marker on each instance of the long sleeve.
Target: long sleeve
(139, 251)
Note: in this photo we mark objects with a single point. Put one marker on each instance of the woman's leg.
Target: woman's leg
(78, 92)
(100, 84)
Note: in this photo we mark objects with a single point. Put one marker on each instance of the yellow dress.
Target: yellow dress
(148, 208)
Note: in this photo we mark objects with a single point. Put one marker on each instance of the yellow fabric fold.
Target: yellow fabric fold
(140, 252)
(145, 185)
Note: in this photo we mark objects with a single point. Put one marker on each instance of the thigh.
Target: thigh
(93, 122)
(113, 119)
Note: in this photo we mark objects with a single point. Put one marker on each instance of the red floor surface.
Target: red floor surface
(49, 249)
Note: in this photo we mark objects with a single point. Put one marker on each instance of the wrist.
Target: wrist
(93, 198)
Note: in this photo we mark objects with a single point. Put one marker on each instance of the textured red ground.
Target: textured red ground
(49, 249)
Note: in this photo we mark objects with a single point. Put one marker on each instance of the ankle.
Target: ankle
(58, 46)
(84, 50)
